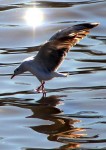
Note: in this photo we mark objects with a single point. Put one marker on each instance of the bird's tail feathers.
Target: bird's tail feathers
(58, 74)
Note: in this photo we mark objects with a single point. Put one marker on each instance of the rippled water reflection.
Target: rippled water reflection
(73, 115)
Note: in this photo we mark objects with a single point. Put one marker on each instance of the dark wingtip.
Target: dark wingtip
(91, 25)
(94, 24)
(87, 25)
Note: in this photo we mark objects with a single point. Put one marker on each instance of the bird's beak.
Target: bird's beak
(13, 76)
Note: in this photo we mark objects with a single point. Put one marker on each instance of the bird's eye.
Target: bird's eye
(16, 70)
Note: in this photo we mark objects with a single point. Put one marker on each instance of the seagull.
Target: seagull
(52, 53)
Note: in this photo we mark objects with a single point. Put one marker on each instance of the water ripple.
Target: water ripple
(74, 117)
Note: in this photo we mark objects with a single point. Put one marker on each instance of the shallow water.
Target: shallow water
(73, 115)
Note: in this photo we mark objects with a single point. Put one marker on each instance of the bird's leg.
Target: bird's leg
(43, 85)
(39, 88)
(43, 89)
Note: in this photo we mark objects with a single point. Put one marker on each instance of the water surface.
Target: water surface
(73, 115)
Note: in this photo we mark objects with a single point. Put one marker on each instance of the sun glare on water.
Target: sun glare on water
(34, 17)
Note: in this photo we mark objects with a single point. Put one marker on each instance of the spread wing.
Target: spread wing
(53, 52)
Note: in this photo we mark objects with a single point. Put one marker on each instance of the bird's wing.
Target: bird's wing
(53, 52)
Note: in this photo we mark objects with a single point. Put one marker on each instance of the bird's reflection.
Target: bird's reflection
(62, 128)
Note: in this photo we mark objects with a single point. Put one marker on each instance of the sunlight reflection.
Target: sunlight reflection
(34, 17)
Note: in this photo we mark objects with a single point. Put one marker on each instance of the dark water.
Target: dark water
(73, 115)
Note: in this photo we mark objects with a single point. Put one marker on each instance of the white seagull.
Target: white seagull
(52, 53)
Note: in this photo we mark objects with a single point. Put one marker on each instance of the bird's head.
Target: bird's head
(21, 69)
